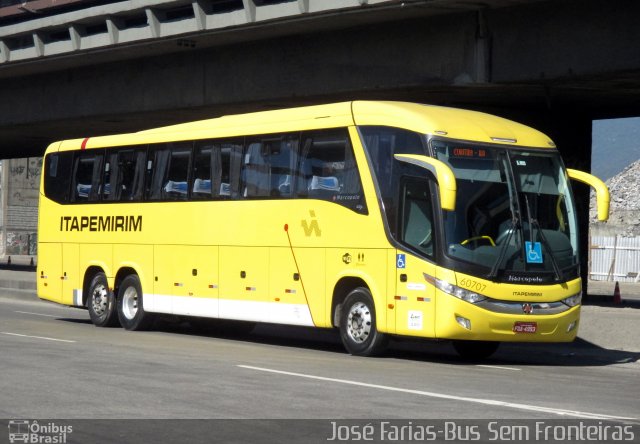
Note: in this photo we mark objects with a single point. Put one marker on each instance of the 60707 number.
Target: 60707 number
(472, 285)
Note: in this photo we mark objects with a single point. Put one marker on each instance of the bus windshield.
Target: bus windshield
(514, 210)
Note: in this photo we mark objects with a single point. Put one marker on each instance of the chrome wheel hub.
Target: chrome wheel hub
(130, 302)
(359, 322)
(99, 300)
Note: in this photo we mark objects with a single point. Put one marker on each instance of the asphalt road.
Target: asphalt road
(54, 364)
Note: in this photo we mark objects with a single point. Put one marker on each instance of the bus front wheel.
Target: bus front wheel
(358, 324)
(130, 307)
(101, 302)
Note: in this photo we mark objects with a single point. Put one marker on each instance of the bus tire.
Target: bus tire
(130, 305)
(475, 350)
(101, 302)
(358, 324)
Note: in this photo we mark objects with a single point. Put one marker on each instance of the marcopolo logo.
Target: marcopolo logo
(36, 433)
(101, 223)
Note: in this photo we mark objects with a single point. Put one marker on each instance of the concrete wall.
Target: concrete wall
(21, 182)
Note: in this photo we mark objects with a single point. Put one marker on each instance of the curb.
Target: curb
(17, 285)
(17, 280)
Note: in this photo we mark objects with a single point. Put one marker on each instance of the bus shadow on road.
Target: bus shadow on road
(579, 353)
(272, 334)
(609, 302)
(74, 320)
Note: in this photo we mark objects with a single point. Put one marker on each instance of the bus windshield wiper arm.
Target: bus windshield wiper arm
(515, 219)
(503, 249)
(534, 222)
(547, 246)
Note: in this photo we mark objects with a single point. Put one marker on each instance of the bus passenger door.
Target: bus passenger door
(415, 266)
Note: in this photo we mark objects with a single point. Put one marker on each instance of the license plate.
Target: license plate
(525, 327)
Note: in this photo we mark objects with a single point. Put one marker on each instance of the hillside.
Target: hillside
(624, 218)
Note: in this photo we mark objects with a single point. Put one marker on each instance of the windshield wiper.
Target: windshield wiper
(515, 225)
(515, 217)
(534, 222)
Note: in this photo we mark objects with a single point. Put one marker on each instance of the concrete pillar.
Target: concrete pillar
(38, 43)
(74, 34)
(154, 22)
(112, 29)
(4, 52)
(249, 10)
(3, 202)
(304, 6)
(200, 14)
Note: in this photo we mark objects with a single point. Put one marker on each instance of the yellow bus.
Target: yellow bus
(375, 218)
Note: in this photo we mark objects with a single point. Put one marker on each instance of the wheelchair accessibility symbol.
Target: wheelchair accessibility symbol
(400, 261)
(534, 252)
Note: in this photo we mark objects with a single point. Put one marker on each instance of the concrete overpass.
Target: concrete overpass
(126, 65)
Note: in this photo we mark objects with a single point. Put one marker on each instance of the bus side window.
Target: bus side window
(255, 170)
(283, 156)
(268, 167)
(137, 183)
(131, 174)
(156, 166)
(57, 175)
(169, 171)
(176, 180)
(87, 174)
(206, 157)
(328, 170)
(124, 175)
(381, 144)
(416, 215)
(230, 165)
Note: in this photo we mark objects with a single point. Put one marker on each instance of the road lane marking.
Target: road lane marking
(499, 367)
(35, 337)
(512, 405)
(38, 314)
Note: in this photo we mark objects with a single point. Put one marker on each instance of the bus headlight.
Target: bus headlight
(460, 293)
(574, 300)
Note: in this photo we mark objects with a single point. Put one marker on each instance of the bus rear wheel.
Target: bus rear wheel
(130, 305)
(475, 350)
(358, 330)
(101, 302)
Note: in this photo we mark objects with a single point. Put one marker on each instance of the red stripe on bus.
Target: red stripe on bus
(84, 143)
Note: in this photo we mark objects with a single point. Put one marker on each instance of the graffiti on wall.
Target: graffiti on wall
(24, 181)
(21, 243)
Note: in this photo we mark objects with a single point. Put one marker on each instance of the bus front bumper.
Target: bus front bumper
(457, 319)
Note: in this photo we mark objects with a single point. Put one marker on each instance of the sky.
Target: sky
(615, 145)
